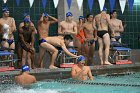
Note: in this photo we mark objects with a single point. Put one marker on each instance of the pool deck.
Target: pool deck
(62, 73)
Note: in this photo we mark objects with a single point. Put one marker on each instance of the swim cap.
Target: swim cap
(81, 58)
(69, 14)
(26, 20)
(46, 14)
(81, 17)
(25, 14)
(25, 68)
(5, 9)
(104, 9)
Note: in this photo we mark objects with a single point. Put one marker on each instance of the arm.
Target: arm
(41, 18)
(54, 19)
(90, 74)
(26, 45)
(60, 29)
(94, 24)
(121, 28)
(108, 19)
(35, 31)
(74, 29)
(67, 51)
(13, 25)
(32, 36)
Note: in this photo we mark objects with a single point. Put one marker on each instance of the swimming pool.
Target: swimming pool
(115, 83)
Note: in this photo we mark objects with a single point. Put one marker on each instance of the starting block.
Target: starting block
(66, 61)
(121, 55)
(67, 65)
(3, 69)
(119, 62)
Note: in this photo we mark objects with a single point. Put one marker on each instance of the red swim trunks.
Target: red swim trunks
(81, 35)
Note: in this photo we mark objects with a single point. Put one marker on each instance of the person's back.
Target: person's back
(25, 78)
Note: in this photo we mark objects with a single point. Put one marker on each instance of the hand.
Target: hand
(95, 39)
(112, 35)
(32, 51)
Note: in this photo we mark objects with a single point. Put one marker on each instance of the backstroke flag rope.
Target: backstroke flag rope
(122, 5)
(101, 3)
(90, 3)
(17, 1)
(131, 2)
(31, 2)
(79, 2)
(55, 3)
(44, 3)
(112, 4)
(69, 3)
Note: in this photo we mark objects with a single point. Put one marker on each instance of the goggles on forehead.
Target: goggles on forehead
(69, 14)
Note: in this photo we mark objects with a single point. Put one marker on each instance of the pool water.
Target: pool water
(128, 83)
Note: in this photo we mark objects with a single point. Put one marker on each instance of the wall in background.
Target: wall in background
(35, 12)
(130, 35)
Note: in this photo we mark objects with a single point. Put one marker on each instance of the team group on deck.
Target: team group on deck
(81, 35)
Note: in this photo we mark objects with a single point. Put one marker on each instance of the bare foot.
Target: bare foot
(107, 63)
(102, 63)
(53, 67)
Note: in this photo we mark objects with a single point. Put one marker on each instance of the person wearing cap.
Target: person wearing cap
(7, 28)
(51, 44)
(68, 27)
(26, 51)
(90, 38)
(80, 37)
(44, 24)
(27, 15)
(80, 71)
(25, 78)
(116, 27)
(101, 24)
(43, 30)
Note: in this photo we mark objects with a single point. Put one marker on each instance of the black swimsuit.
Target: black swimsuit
(101, 33)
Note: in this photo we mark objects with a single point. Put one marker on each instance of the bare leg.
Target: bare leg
(5, 44)
(19, 55)
(53, 51)
(106, 39)
(78, 44)
(29, 59)
(24, 56)
(87, 52)
(100, 41)
(12, 46)
(91, 53)
(40, 56)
